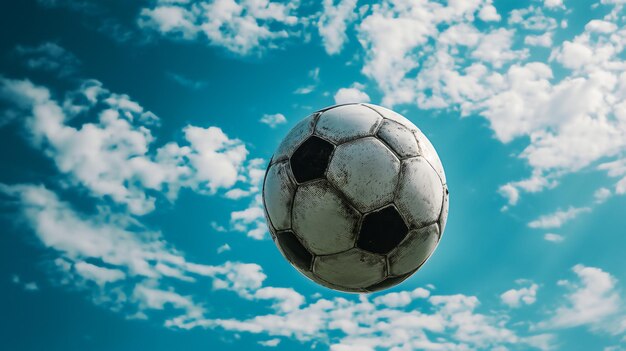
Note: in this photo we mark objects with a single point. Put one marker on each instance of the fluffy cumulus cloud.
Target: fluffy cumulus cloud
(239, 26)
(406, 320)
(553, 3)
(601, 195)
(458, 55)
(273, 120)
(251, 220)
(434, 55)
(113, 156)
(333, 22)
(526, 295)
(354, 93)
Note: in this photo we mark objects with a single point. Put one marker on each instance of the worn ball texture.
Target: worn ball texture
(356, 198)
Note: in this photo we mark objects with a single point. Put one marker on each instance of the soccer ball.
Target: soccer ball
(355, 197)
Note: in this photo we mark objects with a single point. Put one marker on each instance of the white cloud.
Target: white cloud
(402, 298)
(156, 299)
(558, 218)
(537, 182)
(102, 237)
(616, 169)
(307, 89)
(555, 238)
(190, 83)
(48, 56)
(333, 22)
(395, 36)
(113, 157)
(223, 248)
(593, 301)
(273, 120)
(600, 26)
(218, 228)
(30, 286)
(601, 195)
(513, 88)
(532, 18)
(488, 13)
(286, 299)
(314, 74)
(100, 275)
(136, 268)
(515, 298)
(354, 93)
(270, 343)
(553, 3)
(495, 48)
(171, 20)
(544, 39)
(239, 26)
(449, 322)
(153, 271)
(250, 220)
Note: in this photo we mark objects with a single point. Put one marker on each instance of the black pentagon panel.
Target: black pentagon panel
(294, 250)
(382, 231)
(389, 282)
(311, 159)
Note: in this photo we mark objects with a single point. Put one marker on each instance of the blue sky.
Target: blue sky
(135, 136)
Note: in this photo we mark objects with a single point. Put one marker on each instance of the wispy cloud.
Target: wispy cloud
(223, 248)
(558, 218)
(555, 238)
(49, 57)
(187, 82)
(314, 74)
(113, 256)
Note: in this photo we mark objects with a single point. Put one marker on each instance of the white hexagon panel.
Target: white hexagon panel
(278, 191)
(324, 221)
(420, 192)
(365, 269)
(429, 153)
(414, 250)
(356, 198)
(394, 116)
(347, 122)
(366, 171)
